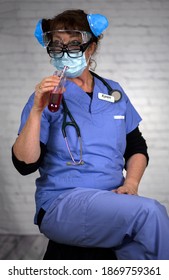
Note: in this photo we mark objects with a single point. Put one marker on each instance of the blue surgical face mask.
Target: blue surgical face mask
(76, 65)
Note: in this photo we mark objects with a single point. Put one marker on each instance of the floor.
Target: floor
(22, 247)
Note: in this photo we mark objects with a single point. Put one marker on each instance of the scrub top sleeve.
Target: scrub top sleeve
(132, 117)
(44, 133)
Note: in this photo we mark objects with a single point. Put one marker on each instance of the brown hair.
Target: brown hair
(69, 20)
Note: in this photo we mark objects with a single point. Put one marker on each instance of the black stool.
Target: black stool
(56, 251)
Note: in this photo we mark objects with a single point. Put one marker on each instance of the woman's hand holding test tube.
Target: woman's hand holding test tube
(45, 90)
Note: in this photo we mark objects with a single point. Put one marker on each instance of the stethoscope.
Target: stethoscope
(116, 94)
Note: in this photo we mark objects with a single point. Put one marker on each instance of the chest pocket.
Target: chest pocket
(120, 125)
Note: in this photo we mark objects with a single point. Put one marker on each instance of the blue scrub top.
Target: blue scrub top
(103, 127)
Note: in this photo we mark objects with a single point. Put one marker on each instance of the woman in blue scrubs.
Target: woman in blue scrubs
(82, 149)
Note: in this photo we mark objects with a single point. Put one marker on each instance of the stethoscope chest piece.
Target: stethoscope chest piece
(116, 94)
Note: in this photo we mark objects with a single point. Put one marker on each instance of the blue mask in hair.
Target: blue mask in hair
(76, 65)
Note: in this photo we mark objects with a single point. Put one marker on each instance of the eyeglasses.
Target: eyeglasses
(74, 49)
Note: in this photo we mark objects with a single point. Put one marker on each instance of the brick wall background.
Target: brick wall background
(134, 52)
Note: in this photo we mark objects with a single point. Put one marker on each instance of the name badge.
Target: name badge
(106, 97)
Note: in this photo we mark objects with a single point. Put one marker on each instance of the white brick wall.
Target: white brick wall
(134, 52)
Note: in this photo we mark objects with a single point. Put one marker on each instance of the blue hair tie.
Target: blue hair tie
(39, 33)
(98, 23)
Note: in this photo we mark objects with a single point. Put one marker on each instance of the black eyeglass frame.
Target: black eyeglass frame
(65, 49)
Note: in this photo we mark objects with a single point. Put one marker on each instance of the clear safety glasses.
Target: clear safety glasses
(78, 42)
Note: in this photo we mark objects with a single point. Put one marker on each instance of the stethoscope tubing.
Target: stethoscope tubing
(117, 96)
(72, 123)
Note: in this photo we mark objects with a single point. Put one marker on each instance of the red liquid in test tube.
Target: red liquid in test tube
(56, 94)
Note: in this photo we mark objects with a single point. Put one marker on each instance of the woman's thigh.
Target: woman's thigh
(95, 218)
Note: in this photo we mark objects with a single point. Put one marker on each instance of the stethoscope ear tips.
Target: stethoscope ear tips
(117, 95)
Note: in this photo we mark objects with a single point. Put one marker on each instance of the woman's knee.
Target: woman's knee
(153, 206)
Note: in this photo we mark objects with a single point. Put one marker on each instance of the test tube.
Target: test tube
(56, 94)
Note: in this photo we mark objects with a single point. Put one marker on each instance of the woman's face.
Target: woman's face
(73, 42)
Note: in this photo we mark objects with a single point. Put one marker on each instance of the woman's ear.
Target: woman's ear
(92, 48)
